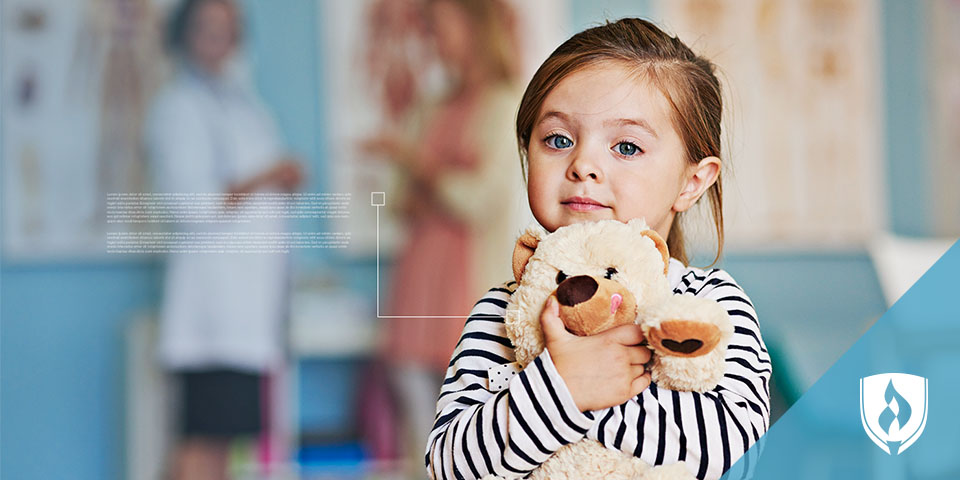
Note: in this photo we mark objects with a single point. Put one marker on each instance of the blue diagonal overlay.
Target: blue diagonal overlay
(821, 436)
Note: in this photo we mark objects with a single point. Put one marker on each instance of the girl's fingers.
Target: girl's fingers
(640, 384)
(638, 355)
(626, 334)
(553, 327)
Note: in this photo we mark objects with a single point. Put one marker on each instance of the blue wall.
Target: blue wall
(62, 366)
(61, 332)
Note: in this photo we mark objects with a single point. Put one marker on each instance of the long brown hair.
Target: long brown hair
(494, 25)
(687, 80)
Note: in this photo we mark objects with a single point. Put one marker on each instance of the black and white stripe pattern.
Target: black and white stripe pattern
(511, 432)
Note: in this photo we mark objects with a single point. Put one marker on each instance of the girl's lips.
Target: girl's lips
(582, 204)
(583, 207)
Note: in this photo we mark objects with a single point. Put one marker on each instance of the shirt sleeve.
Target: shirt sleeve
(709, 431)
(507, 433)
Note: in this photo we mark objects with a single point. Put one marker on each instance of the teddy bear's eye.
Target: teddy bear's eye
(561, 277)
(610, 273)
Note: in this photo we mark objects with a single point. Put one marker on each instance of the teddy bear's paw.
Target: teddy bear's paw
(684, 338)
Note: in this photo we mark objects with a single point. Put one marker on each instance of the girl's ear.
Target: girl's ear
(661, 246)
(526, 245)
(699, 179)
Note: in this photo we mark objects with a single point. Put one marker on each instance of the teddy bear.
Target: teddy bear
(604, 274)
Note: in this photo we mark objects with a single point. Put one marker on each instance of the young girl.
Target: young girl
(622, 121)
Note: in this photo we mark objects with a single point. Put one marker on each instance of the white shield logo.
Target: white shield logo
(893, 409)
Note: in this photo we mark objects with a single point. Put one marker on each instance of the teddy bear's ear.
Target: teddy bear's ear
(661, 246)
(526, 245)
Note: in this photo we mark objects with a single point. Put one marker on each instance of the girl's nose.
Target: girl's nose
(582, 167)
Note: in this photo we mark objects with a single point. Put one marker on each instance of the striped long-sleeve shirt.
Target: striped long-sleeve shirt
(509, 426)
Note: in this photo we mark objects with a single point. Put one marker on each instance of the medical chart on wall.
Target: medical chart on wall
(76, 80)
(803, 116)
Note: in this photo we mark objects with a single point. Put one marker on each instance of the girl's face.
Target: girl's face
(604, 147)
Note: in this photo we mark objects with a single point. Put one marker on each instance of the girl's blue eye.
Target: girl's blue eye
(559, 141)
(627, 148)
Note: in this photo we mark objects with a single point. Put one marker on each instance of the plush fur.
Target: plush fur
(605, 274)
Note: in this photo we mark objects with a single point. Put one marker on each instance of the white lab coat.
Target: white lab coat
(218, 310)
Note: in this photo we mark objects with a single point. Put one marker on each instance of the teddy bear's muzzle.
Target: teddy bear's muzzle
(589, 305)
(576, 290)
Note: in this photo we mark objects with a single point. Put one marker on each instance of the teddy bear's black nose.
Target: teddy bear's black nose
(576, 290)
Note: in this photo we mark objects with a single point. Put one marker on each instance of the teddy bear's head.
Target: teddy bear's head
(599, 271)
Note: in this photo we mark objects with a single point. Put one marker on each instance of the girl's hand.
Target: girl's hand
(600, 370)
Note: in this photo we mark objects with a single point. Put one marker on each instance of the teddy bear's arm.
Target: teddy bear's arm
(712, 429)
(507, 433)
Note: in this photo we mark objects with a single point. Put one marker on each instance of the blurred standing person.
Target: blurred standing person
(455, 199)
(222, 314)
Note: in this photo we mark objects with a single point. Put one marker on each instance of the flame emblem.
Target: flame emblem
(893, 409)
(897, 408)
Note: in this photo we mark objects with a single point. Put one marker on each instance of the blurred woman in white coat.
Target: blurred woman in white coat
(222, 315)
